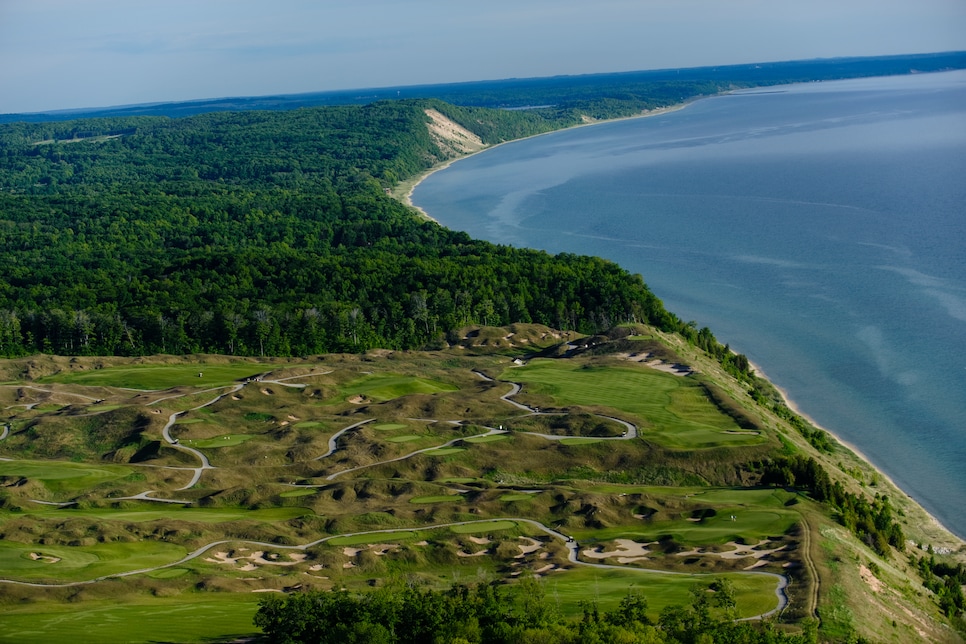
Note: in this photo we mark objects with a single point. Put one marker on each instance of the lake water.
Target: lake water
(819, 228)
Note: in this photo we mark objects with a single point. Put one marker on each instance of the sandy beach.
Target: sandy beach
(404, 189)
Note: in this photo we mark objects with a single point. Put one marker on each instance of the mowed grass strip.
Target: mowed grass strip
(372, 537)
(439, 498)
(78, 563)
(383, 387)
(755, 594)
(145, 376)
(677, 410)
(483, 526)
(489, 438)
(155, 512)
(186, 618)
(750, 525)
(60, 476)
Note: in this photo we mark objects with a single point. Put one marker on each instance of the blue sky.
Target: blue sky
(60, 54)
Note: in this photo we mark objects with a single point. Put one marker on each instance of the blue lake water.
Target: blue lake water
(819, 228)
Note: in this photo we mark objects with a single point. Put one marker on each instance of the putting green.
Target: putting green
(226, 440)
(677, 410)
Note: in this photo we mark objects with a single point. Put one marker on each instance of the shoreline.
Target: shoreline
(935, 524)
(790, 403)
(406, 189)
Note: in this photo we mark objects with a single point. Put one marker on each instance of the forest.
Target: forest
(268, 233)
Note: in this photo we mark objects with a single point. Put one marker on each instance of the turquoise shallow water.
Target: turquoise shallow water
(819, 228)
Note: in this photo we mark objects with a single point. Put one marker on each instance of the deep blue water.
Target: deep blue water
(820, 229)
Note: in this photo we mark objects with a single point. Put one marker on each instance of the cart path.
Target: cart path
(781, 582)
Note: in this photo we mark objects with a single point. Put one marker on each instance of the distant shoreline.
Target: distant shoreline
(406, 197)
(405, 189)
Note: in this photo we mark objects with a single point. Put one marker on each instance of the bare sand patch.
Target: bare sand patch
(268, 392)
(463, 553)
(480, 541)
(533, 546)
(452, 138)
(624, 548)
(268, 590)
(870, 579)
(351, 552)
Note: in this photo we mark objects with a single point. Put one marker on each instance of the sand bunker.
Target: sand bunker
(463, 553)
(38, 556)
(268, 392)
(255, 558)
(480, 541)
(740, 551)
(533, 546)
(627, 549)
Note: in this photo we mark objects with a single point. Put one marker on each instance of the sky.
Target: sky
(65, 54)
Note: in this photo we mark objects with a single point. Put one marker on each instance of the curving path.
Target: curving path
(571, 544)
(335, 438)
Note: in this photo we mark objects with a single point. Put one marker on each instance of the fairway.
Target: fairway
(80, 563)
(755, 594)
(676, 411)
(154, 377)
(383, 387)
(155, 512)
(187, 618)
(62, 476)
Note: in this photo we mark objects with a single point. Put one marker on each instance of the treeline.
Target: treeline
(488, 614)
(266, 233)
(946, 581)
(873, 522)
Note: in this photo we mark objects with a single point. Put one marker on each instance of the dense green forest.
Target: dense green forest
(486, 613)
(267, 233)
